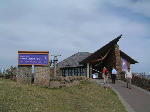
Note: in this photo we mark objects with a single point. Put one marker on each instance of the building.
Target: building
(71, 66)
(84, 63)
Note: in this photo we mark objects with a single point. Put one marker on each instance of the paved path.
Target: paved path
(134, 99)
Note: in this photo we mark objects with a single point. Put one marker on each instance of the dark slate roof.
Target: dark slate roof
(73, 61)
(102, 51)
(124, 55)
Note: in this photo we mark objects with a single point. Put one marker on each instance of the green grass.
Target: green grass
(85, 97)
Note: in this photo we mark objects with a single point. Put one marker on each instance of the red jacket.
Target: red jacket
(105, 71)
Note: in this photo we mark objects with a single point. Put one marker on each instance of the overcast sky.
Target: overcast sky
(69, 26)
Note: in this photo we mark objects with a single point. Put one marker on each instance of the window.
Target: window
(75, 71)
(70, 71)
(64, 72)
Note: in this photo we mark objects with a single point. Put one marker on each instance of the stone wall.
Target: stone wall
(118, 61)
(68, 81)
(114, 60)
(128, 65)
(24, 74)
(58, 72)
(42, 75)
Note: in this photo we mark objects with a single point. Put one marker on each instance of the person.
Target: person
(128, 76)
(114, 73)
(105, 77)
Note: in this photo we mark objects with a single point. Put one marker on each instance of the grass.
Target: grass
(85, 97)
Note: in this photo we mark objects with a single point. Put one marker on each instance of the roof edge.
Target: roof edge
(111, 43)
(130, 59)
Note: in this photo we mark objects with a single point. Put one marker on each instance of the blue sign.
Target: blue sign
(33, 59)
(124, 64)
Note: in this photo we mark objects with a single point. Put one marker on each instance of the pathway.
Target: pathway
(134, 99)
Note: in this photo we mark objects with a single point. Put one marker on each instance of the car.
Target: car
(95, 76)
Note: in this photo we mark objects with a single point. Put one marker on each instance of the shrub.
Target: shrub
(61, 81)
(122, 75)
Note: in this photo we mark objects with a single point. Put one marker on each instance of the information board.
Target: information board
(33, 59)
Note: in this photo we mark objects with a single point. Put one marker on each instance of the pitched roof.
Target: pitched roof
(73, 61)
(124, 55)
(102, 51)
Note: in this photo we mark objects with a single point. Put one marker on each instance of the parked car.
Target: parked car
(95, 76)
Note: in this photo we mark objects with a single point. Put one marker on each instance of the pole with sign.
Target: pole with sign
(55, 60)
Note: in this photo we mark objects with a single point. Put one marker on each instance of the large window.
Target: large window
(64, 72)
(83, 72)
(70, 72)
(75, 71)
(79, 71)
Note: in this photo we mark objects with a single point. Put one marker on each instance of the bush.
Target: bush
(61, 81)
(122, 74)
(138, 80)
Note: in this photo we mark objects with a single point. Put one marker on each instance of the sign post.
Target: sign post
(32, 58)
(34, 67)
(55, 64)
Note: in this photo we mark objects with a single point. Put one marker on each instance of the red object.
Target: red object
(105, 71)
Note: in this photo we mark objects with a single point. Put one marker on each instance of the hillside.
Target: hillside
(86, 97)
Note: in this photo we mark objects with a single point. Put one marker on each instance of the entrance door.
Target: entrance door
(97, 68)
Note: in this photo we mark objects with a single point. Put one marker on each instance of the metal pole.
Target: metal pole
(33, 73)
(55, 64)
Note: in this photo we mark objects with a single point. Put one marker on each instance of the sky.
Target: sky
(69, 26)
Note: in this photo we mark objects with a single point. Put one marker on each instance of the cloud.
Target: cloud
(67, 27)
(136, 6)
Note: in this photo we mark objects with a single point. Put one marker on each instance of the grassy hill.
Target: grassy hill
(85, 97)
